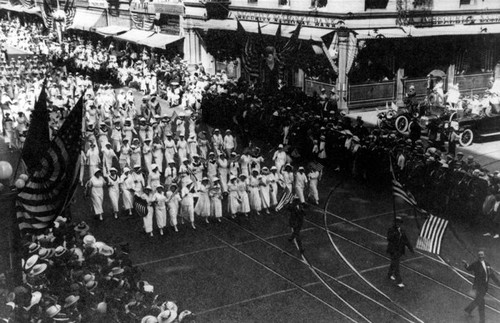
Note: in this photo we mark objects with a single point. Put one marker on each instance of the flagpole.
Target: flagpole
(393, 197)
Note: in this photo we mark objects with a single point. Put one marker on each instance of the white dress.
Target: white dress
(114, 191)
(215, 194)
(170, 150)
(273, 187)
(264, 192)
(202, 207)
(233, 204)
(96, 193)
(254, 195)
(160, 210)
(300, 185)
(127, 184)
(154, 180)
(313, 177)
(223, 173)
(243, 194)
(173, 201)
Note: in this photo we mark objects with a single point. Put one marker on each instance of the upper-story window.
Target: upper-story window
(376, 4)
(466, 2)
(253, 1)
(318, 3)
(284, 2)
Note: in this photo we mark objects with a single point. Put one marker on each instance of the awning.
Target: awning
(134, 35)
(159, 40)
(19, 8)
(111, 30)
(87, 19)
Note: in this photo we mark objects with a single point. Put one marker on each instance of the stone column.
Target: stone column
(400, 87)
(342, 76)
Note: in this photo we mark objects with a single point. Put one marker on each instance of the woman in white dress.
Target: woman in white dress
(148, 196)
(234, 166)
(245, 161)
(264, 188)
(187, 204)
(254, 192)
(96, 185)
(135, 155)
(182, 147)
(154, 177)
(114, 190)
(215, 193)
(160, 208)
(170, 148)
(272, 178)
(147, 154)
(314, 177)
(202, 207)
(233, 202)
(125, 152)
(128, 130)
(158, 153)
(223, 167)
(127, 189)
(173, 201)
(243, 195)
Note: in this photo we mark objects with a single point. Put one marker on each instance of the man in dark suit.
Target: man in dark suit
(296, 221)
(397, 243)
(482, 275)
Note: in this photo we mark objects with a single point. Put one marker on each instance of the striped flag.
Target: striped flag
(287, 198)
(50, 188)
(38, 138)
(140, 206)
(431, 234)
(399, 191)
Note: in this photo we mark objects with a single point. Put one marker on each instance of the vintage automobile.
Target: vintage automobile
(472, 127)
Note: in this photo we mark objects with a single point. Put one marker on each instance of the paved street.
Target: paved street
(245, 270)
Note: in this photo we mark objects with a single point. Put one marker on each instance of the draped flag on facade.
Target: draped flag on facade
(49, 188)
(431, 234)
(38, 138)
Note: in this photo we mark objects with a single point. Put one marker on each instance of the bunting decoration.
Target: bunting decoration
(63, 16)
(142, 21)
(49, 189)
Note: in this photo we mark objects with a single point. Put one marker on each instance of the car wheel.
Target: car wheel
(466, 138)
(402, 123)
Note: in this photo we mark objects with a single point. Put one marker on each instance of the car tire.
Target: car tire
(402, 124)
(466, 138)
(453, 116)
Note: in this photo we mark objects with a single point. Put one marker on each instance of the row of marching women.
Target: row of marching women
(209, 189)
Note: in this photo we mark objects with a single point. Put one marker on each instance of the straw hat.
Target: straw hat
(70, 300)
(53, 310)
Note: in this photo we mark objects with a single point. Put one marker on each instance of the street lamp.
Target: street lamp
(9, 231)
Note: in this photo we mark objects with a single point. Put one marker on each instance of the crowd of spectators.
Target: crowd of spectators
(69, 276)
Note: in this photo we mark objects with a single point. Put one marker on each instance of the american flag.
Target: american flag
(38, 138)
(286, 199)
(399, 191)
(49, 189)
(431, 234)
(140, 206)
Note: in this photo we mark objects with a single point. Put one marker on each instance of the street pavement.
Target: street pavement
(246, 270)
